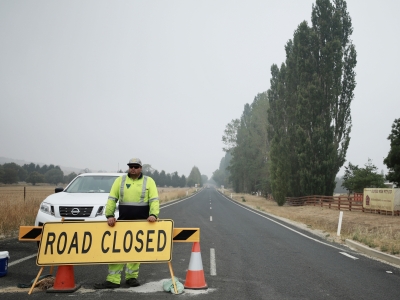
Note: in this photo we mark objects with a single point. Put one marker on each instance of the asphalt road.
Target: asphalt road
(256, 257)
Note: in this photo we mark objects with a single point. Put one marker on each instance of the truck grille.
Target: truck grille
(75, 212)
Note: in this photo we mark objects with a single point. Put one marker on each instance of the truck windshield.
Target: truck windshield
(91, 184)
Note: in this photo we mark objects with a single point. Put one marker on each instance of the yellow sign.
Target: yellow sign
(80, 243)
(186, 235)
(34, 234)
(382, 199)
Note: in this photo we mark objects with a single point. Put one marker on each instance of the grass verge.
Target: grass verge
(380, 232)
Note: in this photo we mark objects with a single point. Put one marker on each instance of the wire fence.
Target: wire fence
(349, 202)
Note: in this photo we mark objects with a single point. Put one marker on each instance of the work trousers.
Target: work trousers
(115, 270)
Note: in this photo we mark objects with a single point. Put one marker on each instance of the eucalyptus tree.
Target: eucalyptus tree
(248, 166)
(194, 177)
(392, 161)
(355, 179)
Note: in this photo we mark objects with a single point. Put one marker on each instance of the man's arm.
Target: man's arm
(153, 201)
(112, 202)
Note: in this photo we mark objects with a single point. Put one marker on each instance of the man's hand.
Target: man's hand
(151, 219)
(111, 221)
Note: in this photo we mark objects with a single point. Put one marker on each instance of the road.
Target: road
(256, 257)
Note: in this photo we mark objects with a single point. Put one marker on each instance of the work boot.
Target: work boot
(132, 282)
(106, 285)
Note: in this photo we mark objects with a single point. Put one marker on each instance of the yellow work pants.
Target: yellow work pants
(115, 270)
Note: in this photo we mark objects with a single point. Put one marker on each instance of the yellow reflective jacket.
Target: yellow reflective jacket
(138, 198)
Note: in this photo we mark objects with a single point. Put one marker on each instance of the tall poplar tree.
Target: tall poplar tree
(310, 97)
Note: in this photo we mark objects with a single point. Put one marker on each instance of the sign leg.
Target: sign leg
(36, 279)
(172, 277)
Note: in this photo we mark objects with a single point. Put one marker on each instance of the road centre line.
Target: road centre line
(287, 227)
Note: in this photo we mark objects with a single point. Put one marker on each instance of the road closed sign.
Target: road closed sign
(80, 243)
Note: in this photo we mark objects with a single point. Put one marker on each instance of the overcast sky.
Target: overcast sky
(91, 84)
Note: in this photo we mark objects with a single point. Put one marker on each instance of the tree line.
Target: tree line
(292, 139)
(174, 180)
(33, 173)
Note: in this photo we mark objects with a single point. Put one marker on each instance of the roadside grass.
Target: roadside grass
(17, 210)
(166, 194)
(380, 232)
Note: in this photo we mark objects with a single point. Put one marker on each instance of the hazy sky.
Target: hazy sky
(90, 84)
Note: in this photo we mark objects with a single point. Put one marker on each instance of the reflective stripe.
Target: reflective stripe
(195, 263)
(143, 188)
(134, 203)
(113, 199)
(114, 272)
(129, 271)
(153, 199)
(121, 189)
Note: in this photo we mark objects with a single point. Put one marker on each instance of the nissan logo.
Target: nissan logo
(75, 211)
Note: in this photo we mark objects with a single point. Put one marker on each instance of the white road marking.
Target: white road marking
(21, 260)
(211, 218)
(213, 265)
(287, 227)
(348, 255)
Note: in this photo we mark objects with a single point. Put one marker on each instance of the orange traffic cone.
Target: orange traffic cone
(195, 275)
(65, 281)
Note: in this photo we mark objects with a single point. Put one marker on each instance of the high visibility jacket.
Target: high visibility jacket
(138, 198)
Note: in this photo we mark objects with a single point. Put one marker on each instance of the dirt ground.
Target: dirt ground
(377, 231)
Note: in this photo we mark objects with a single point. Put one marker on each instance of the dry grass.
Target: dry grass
(376, 231)
(168, 194)
(17, 210)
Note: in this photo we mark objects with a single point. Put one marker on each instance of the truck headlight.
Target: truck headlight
(47, 208)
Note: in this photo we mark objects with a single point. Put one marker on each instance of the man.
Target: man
(138, 200)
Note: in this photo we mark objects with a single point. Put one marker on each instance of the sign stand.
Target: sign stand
(34, 234)
(37, 278)
(51, 271)
(172, 277)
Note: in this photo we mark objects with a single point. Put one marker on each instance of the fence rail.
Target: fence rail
(351, 203)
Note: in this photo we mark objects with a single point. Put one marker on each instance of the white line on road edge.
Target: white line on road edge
(210, 218)
(287, 227)
(177, 201)
(348, 255)
(213, 266)
(21, 260)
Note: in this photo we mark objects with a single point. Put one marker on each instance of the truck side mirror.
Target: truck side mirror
(58, 189)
